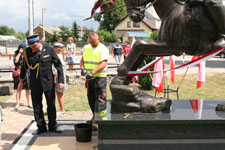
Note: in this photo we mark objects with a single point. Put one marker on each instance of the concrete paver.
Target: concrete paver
(16, 121)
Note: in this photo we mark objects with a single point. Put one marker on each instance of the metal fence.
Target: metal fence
(8, 47)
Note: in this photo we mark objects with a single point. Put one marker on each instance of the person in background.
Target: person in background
(18, 61)
(126, 49)
(117, 51)
(60, 92)
(39, 59)
(71, 57)
(59, 40)
(93, 65)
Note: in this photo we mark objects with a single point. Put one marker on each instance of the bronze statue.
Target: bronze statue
(195, 27)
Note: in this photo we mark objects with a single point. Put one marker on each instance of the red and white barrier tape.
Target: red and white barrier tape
(149, 65)
(141, 72)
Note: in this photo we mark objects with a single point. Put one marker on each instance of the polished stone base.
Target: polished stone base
(191, 125)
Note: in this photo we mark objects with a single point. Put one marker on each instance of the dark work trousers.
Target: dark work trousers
(96, 92)
(36, 95)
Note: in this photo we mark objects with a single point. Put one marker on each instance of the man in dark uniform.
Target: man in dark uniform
(39, 59)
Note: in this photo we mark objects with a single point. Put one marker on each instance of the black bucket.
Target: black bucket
(83, 132)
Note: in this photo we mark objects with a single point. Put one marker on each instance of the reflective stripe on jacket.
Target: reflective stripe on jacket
(93, 59)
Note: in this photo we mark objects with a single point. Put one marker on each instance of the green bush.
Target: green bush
(146, 80)
(106, 36)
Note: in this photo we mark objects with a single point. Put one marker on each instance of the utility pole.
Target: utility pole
(81, 27)
(43, 27)
(30, 16)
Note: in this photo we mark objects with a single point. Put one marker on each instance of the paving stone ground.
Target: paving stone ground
(16, 121)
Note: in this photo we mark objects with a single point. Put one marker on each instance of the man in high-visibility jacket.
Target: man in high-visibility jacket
(93, 64)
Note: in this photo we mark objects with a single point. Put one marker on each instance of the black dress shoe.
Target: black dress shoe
(39, 131)
(56, 130)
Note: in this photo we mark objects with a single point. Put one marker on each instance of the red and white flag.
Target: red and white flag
(158, 77)
(201, 72)
(197, 105)
(172, 66)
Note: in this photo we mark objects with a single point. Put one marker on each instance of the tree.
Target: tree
(65, 33)
(106, 36)
(74, 31)
(153, 35)
(85, 36)
(20, 35)
(5, 30)
(110, 19)
(51, 37)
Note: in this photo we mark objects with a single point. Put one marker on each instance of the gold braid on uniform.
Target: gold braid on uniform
(32, 68)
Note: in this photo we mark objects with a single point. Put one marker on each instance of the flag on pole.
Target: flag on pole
(157, 80)
(183, 56)
(172, 66)
(201, 72)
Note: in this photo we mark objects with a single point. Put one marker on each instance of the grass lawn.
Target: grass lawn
(76, 99)
(213, 88)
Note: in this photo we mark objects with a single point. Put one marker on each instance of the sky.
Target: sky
(14, 13)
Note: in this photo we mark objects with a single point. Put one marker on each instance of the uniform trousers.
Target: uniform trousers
(36, 95)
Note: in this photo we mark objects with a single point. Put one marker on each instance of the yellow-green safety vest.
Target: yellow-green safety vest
(93, 59)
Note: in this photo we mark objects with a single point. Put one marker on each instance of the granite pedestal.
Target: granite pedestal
(190, 125)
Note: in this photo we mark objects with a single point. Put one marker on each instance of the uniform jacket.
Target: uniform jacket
(46, 57)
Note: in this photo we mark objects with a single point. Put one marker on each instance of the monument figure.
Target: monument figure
(195, 27)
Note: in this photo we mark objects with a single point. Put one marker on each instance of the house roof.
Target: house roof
(149, 24)
(138, 34)
(5, 38)
(50, 30)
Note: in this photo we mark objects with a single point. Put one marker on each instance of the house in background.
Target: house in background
(48, 30)
(81, 31)
(7, 37)
(152, 17)
(129, 36)
(126, 28)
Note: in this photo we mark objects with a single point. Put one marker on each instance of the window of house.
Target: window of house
(128, 24)
(136, 24)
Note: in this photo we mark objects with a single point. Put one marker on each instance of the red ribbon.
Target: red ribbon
(196, 61)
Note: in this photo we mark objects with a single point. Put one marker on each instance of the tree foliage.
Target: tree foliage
(110, 19)
(106, 36)
(5, 30)
(85, 36)
(51, 37)
(65, 33)
(74, 31)
(153, 35)
(146, 80)
(20, 35)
